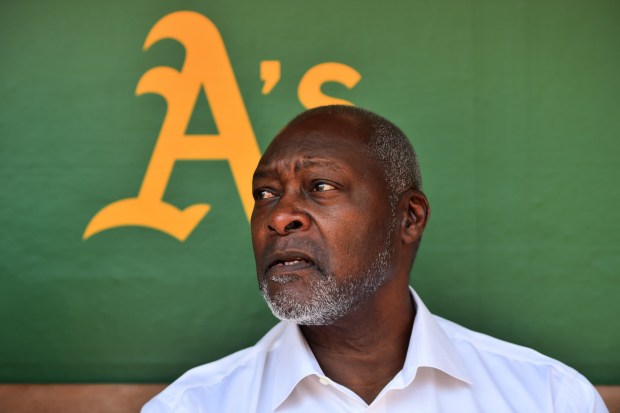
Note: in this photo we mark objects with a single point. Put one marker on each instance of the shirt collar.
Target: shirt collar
(294, 362)
(429, 346)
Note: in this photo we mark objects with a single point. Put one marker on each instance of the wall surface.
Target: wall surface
(513, 107)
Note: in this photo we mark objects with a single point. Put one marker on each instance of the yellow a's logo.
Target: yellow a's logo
(206, 66)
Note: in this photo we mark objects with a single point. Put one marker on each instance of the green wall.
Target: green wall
(513, 107)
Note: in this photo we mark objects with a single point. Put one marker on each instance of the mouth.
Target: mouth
(288, 262)
(291, 262)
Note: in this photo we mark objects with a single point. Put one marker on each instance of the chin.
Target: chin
(302, 309)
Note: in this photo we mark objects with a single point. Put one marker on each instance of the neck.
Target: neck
(364, 350)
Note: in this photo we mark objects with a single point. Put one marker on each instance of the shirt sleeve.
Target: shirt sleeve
(156, 406)
(184, 401)
(578, 395)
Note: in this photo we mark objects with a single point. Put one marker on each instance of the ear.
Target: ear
(415, 214)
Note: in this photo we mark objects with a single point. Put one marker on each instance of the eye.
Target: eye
(323, 187)
(263, 194)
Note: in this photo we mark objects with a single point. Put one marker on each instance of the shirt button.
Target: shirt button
(324, 381)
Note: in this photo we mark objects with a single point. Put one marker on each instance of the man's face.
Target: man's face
(321, 225)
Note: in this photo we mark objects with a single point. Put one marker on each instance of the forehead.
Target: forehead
(325, 141)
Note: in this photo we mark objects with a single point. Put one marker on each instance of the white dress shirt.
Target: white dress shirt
(448, 368)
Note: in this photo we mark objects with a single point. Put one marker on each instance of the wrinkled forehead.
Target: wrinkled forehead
(321, 136)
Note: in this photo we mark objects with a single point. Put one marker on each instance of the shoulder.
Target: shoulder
(493, 349)
(217, 382)
(522, 371)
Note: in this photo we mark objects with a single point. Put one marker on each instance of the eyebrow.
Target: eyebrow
(272, 171)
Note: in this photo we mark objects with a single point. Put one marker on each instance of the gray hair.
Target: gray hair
(388, 144)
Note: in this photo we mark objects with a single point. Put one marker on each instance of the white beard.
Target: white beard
(329, 299)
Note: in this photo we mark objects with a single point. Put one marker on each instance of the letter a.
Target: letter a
(206, 66)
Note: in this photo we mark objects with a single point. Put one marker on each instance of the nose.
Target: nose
(288, 217)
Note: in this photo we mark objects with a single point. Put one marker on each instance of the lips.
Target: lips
(283, 262)
(288, 263)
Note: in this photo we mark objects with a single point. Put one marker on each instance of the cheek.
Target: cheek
(257, 223)
(356, 243)
(257, 240)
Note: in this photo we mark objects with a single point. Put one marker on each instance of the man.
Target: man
(336, 226)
